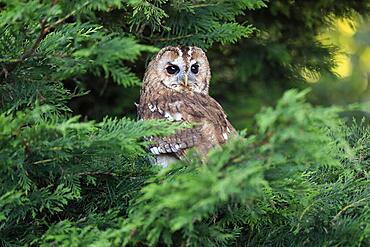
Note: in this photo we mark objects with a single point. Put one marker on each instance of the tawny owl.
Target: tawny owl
(175, 88)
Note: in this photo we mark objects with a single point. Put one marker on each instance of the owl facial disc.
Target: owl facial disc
(182, 69)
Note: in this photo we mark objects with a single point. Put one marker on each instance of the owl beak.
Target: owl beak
(185, 80)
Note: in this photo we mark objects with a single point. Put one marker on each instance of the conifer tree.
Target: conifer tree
(301, 178)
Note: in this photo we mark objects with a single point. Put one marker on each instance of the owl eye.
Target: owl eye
(172, 69)
(195, 68)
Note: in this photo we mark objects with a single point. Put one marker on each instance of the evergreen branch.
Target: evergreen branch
(28, 53)
(44, 30)
(347, 207)
(61, 20)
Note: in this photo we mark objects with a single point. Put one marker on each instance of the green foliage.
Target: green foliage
(303, 179)
(257, 70)
(49, 165)
(300, 177)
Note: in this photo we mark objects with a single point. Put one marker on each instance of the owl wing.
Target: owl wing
(211, 125)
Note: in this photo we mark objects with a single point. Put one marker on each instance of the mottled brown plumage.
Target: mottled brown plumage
(175, 88)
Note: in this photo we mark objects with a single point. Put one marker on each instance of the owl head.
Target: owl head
(180, 68)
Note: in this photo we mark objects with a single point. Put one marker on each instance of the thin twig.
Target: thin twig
(347, 207)
(43, 161)
(60, 21)
(28, 53)
(97, 173)
(104, 87)
(202, 5)
(44, 30)
(174, 38)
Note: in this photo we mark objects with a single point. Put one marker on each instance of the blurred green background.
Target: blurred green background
(298, 44)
